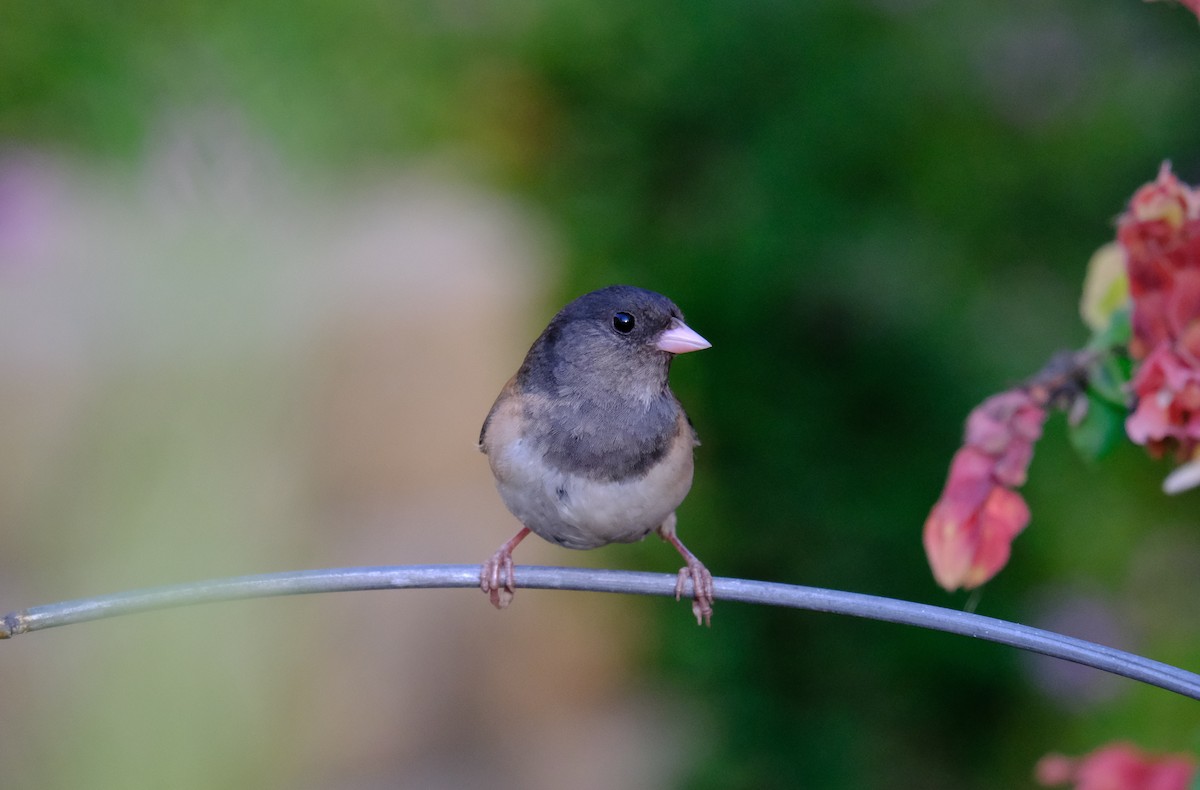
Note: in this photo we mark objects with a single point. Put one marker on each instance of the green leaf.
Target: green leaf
(1100, 429)
(1109, 379)
(1116, 333)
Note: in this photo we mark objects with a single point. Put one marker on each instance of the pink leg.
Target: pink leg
(496, 575)
(702, 582)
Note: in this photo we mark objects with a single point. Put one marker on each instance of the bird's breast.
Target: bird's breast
(568, 505)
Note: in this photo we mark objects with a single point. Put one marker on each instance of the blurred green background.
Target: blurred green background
(879, 212)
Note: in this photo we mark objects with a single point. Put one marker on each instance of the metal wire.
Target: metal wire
(890, 610)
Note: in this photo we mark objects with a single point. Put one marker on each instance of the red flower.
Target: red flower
(1168, 404)
(1118, 766)
(970, 530)
(1161, 236)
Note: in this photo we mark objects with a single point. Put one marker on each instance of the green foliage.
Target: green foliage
(1102, 426)
(860, 207)
(1101, 429)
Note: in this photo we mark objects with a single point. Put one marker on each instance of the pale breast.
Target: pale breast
(583, 512)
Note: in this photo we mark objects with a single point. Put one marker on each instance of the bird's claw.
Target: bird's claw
(497, 580)
(702, 590)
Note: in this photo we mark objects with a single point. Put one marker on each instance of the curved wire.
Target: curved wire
(1049, 643)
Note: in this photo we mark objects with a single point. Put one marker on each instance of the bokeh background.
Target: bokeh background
(263, 267)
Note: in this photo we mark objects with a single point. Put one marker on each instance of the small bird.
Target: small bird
(587, 442)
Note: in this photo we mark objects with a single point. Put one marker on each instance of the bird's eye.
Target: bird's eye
(623, 323)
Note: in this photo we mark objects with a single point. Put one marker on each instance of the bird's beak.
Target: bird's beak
(680, 339)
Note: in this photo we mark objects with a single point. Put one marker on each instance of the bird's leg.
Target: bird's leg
(496, 575)
(702, 582)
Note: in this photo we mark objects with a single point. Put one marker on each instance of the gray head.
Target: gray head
(619, 339)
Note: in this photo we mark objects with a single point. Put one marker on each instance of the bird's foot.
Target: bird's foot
(496, 578)
(702, 581)
(496, 575)
(702, 589)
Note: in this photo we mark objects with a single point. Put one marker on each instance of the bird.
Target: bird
(587, 443)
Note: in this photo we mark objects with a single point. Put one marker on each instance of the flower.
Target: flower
(1168, 403)
(970, 530)
(1160, 234)
(1117, 766)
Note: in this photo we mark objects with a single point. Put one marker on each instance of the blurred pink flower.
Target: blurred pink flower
(1168, 403)
(970, 530)
(1160, 234)
(1117, 766)
(30, 202)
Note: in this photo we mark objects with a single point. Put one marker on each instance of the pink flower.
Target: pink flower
(1161, 236)
(1118, 766)
(1168, 404)
(970, 530)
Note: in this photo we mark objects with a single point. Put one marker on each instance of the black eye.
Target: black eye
(623, 323)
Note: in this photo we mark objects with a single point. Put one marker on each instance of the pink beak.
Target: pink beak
(680, 339)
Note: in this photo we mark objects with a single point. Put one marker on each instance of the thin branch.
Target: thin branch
(890, 610)
(1063, 379)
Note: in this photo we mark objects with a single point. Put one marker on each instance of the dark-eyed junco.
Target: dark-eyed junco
(587, 442)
